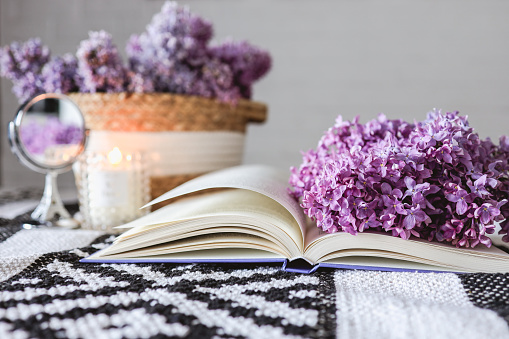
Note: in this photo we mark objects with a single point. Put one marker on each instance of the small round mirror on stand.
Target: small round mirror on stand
(47, 135)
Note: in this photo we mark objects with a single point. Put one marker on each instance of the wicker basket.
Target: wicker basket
(159, 112)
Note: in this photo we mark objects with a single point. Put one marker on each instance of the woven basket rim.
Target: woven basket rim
(162, 96)
(118, 111)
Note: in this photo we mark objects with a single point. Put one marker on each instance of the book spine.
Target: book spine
(299, 266)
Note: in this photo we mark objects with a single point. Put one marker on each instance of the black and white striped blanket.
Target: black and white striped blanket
(46, 292)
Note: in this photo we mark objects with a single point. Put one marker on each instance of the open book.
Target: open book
(256, 220)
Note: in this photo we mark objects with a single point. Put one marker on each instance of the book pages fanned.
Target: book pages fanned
(257, 221)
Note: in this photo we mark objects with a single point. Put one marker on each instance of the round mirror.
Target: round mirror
(48, 134)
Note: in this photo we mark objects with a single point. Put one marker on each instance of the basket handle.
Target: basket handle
(253, 111)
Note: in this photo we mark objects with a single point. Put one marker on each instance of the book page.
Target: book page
(146, 241)
(379, 249)
(206, 242)
(227, 255)
(228, 211)
(238, 210)
(372, 244)
(312, 232)
(258, 178)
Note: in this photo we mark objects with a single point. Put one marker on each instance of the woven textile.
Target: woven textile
(45, 292)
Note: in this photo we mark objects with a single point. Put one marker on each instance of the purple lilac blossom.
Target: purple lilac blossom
(215, 79)
(248, 63)
(171, 56)
(59, 75)
(22, 63)
(173, 44)
(100, 64)
(434, 179)
(37, 137)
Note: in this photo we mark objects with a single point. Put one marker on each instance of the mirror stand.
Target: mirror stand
(47, 135)
(51, 206)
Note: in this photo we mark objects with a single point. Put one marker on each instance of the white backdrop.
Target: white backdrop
(330, 57)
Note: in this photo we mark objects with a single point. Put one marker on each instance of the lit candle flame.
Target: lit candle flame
(115, 156)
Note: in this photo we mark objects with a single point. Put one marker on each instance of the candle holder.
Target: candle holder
(112, 188)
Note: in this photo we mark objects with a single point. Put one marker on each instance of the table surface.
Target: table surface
(46, 292)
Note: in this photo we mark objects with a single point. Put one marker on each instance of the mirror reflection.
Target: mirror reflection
(51, 131)
(47, 135)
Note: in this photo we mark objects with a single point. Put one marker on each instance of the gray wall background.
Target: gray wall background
(330, 57)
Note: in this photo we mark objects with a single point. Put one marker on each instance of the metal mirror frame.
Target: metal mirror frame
(50, 210)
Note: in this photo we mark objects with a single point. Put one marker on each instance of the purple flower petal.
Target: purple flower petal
(461, 206)
(409, 221)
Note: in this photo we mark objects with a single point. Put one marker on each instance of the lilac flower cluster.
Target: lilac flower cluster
(434, 179)
(173, 55)
(22, 63)
(248, 63)
(37, 137)
(60, 75)
(174, 42)
(100, 64)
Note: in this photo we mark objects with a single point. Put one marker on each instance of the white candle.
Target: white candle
(117, 188)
